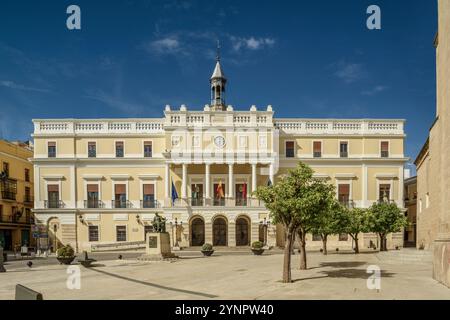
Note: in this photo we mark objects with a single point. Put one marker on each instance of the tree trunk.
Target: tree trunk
(287, 278)
(356, 244)
(383, 246)
(324, 244)
(302, 240)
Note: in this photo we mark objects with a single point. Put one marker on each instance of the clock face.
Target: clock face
(219, 141)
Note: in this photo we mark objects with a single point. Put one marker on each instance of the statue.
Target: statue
(159, 223)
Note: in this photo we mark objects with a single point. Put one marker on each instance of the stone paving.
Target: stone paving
(229, 276)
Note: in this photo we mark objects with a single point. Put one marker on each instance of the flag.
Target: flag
(219, 190)
(174, 193)
(244, 190)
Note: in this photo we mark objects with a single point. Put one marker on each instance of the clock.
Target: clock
(219, 141)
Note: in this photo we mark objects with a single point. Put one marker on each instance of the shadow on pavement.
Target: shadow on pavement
(343, 264)
(353, 274)
(206, 295)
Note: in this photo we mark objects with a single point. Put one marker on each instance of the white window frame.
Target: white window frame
(285, 149)
(96, 150)
(389, 148)
(339, 148)
(321, 148)
(98, 231)
(115, 148)
(126, 232)
(143, 148)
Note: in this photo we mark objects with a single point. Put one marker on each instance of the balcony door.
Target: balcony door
(149, 196)
(196, 194)
(120, 195)
(344, 193)
(53, 195)
(92, 196)
(219, 194)
(241, 194)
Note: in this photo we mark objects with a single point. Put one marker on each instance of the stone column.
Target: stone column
(167, 182)
(184, 182)
(230, 181)
(207, 181)
(253, 177)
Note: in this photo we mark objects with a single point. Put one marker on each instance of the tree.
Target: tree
(330, 220)
(385, 218)
(356, 220)
(294, 201)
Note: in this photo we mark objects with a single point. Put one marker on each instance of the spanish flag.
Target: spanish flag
(219, 190)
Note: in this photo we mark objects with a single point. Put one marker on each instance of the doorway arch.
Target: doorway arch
(197, 231)
(242, 231)
(220, 232)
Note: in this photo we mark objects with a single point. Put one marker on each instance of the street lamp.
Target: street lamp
(265, 224)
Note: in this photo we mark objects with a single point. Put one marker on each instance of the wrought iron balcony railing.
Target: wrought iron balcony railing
(15, 219)
(53, 204)
(150, 204)
(28, 199)
(93, 204)
(241, 202)
(197, 202)
(120, 204)
(8, 195)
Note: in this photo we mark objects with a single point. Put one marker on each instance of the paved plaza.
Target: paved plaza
(229, 275)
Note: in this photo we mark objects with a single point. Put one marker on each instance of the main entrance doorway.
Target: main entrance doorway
(242, 232)
(219, 232)
(197, 232)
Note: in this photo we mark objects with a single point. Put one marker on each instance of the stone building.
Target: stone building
(99, 182)
(433, 161)
(410, 193)
(16, 195)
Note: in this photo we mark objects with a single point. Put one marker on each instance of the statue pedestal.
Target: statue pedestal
(157, 247)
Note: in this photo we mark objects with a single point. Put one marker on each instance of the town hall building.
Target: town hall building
(99, 182)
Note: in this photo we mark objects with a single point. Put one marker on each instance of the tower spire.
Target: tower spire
(218, 82)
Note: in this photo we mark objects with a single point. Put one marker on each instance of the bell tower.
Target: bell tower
(218, 83)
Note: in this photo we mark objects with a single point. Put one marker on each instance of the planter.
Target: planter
(257, 252)
(207, 253)
(65, 260)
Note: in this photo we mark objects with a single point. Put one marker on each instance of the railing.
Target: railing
(150, 204)
(196, 202)
(119, 204)
(324, 126)
(15, 219)
(218, 202)
(379, 201)
(93, 204)
(241, 202)
(53, 204)
(8, 195)
(108, 126)
(343, 154)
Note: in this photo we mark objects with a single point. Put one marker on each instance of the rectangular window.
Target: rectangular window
(27, 197)
(6, 168)
(51, 149)
(290, 149)
(1, 213)
(343, 237)
(120, 196)
(92, 149)
(344, 193)
(384, 149)
(93, 233)
(317, 149)
(148, 196)
(119, 149)
(121, 233)
(53, 196)
(343, 149)
(27, 175)
(148, 149)
(92, 196)
(384, 192)
(197, 195)
(241, 194)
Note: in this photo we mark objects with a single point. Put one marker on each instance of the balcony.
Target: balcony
(93, 204)
(241, 202)
(16, 220)
(219, 202)
(9, 195)
(53, 204)
(196, 202)
(121, 204)
(150, 204)
(317, 154)
(343, 154)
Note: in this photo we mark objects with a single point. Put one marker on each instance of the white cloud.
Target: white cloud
(13, 85)
(168, 45)
(349, 72)
(374, 90)
(251, 43)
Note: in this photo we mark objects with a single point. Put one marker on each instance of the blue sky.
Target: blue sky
(131, 58)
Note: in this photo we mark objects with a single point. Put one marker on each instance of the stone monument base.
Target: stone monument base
(157, 248)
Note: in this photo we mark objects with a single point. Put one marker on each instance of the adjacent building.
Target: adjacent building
(410, 235)
(99, 182)
(16, 195)
(433, 162)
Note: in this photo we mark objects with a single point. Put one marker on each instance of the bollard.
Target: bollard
(24, 293)
(2, 268)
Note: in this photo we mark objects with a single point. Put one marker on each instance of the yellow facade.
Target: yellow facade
(16, 195)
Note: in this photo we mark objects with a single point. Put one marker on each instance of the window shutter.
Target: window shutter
(52, 144)
(120, 189)
(317, 146)
(92, 188)
(52, 188)
(149, 189)
(384, 146)
(344, 189)
(290, 145)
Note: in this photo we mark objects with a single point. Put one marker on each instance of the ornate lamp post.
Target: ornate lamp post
(265, 224)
